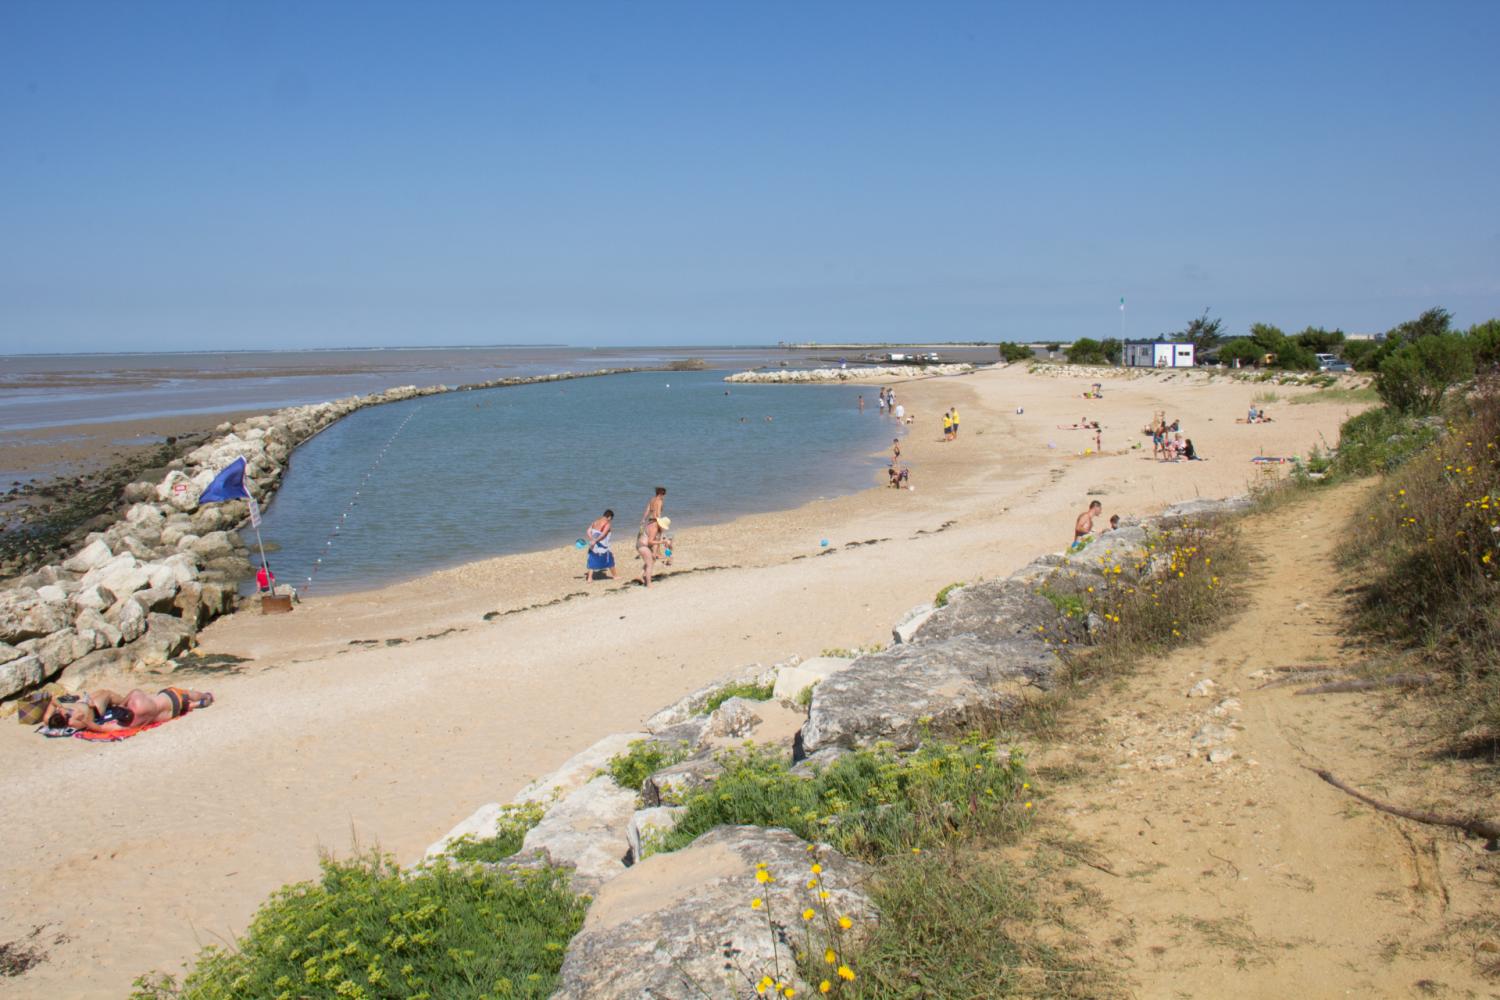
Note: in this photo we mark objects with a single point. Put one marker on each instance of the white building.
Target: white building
(1158, 354)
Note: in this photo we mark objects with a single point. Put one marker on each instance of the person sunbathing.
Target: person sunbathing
(105, 711)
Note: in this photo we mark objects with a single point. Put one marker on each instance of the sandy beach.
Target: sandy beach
(383, 718)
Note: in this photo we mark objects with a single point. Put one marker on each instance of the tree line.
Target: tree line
(1414, 364)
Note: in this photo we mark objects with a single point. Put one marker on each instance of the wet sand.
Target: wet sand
(385, 717)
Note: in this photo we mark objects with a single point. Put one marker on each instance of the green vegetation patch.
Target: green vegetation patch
(941, 600)
(510, 831)
(642, 759)
(1356, 394)
(369, 930)
(868, 803)
(1069, 605)
(743, 689)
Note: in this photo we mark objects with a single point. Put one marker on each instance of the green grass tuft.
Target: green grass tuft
(642, 759)
(510, 830)
(941, 600)
(743, 689)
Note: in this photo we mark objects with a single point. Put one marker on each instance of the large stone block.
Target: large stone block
(662, 929)
(24, 615)
(586, 830)
(578, 770)
(91, 556)
(792, 680)
(19, 674)
(696, 703)
(940, 688)
(994, 611)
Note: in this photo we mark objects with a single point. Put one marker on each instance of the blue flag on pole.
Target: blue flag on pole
(227, 485)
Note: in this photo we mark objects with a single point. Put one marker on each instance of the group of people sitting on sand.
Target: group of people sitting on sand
(105, 711)
(1256, 416)
(652, 542)
(1168, 443)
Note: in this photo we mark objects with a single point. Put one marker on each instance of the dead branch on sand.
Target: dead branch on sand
(1372, 683)
(1472, 825)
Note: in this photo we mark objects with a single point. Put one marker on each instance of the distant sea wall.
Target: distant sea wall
(848, 374)
(136, 594)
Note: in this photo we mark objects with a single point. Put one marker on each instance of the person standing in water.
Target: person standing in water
(953, 412)
(861, 402)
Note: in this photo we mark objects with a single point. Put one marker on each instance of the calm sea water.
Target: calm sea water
(424, 484)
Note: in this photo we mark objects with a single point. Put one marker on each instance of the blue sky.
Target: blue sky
(206, 174)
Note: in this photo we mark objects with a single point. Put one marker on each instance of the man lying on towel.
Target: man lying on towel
(107, 712)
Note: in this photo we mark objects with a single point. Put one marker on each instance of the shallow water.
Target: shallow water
(395, 491)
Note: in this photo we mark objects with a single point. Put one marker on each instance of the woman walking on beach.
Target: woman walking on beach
(653, 507)
(600, 556)
(647, 541)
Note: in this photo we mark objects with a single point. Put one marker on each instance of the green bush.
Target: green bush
(1416, 376)
(1364, 355)
(941, 600)
(1484, 343)
(740, 689)
(1015, 352)
(1378, 440)
(1241, 349)
(369, 930)
(1087, 351)
(868, 803)
(510, 830)
(642, 759)
(1321, 341)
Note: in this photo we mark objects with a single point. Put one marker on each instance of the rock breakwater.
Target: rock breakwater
(136, 593)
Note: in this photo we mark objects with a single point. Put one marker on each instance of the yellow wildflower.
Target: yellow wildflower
(807, 914)
(757, 903)
(845, 923)
(846, 973)
(762, 876)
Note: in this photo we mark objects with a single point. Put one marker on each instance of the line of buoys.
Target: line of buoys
(354, 500)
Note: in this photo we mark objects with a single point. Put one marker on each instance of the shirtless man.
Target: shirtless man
(106, 712)
(1084, 526)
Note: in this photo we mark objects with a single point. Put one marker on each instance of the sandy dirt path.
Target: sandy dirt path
(386, 717)
(1252, 877)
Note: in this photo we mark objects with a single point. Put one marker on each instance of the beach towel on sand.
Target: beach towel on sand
(110, 737)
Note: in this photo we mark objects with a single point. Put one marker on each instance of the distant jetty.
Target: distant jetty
(864, 374)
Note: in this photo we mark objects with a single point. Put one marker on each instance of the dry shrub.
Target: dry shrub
(1431, 548)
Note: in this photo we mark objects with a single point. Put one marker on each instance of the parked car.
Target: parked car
(1336, 365)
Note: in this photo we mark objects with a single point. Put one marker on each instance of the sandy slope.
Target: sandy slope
(1252, 877)
(138, 853)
